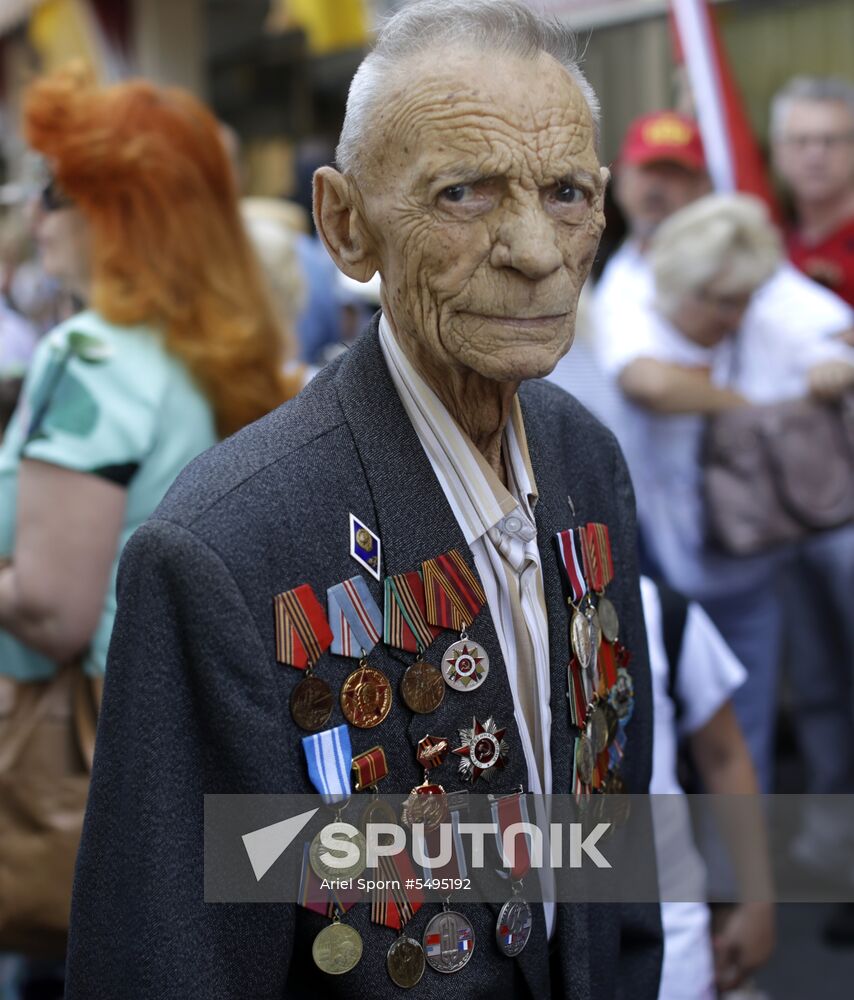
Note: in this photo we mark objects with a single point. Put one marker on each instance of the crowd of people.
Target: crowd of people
(162, 312)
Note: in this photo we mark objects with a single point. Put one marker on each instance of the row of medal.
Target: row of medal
(443, 594)
(448, 941)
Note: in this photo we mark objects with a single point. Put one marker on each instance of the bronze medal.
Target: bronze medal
(311, 703)
(422, 687)
(405, 962)
(322, 870)
(366, 697)
(608, 619)
(585, 759)
(427, 804)
(337, 949)
(597, 730)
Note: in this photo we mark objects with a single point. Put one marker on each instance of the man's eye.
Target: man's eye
(568, 194)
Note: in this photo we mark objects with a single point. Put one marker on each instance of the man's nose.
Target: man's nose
(527, 242)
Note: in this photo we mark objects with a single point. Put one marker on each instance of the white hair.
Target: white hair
(720, 236)
(484, 25)
(831, 89)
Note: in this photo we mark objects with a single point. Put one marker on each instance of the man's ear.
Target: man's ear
(340, 225)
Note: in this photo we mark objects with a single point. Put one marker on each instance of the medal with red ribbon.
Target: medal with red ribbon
(599, 567)
(515, 920)
(302, 635)
(406, 626)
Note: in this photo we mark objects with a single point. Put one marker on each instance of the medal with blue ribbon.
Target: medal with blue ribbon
(355, 618)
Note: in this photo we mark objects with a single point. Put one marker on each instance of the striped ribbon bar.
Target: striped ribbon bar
(323, 901)
(369, 768)
(356, 621)
(329, 758)
(406, 625)
(598, 562)
(302, 631)
(394, 907)
(566, 543)
(453, 594)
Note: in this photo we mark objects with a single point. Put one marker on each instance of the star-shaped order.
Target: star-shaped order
(466, 653)
(483, 749)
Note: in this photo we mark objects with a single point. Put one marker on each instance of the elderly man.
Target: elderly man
(812, 135)
(469, 180)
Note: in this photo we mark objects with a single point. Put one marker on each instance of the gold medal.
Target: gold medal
(366, 697)
(311, 703)
(337, 948)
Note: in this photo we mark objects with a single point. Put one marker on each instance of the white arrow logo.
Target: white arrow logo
(267, 845)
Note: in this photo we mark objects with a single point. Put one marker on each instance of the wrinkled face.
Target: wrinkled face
(814, 153)
(483, 194)
(651, 192)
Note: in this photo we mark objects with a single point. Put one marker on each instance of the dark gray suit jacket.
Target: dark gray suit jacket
(195, 702)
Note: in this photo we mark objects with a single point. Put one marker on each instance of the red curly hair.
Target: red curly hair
(147, 167)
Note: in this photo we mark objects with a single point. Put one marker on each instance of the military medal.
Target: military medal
(585, 759)
(608, 619)
(324, 870)
(369, 768)
(465, 664)
(427, 803)
(365, 546)
(405, 962)
(354, 617)
(453, 597)
(422, 687)
(337, 948)
(302, 635)
(515, 920)
(599, 569)
(597, 728)
(366, 696)
(483, 750)
(448, 941)
(406, 627)
(584, 625)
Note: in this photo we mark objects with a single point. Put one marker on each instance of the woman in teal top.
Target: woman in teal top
(180, 347)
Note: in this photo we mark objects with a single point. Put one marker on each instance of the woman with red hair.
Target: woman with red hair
(179, 346)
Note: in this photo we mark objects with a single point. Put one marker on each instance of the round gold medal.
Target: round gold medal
(422, 687)
(337, 949)
(366, 697)
(405, 961)
(311, 703)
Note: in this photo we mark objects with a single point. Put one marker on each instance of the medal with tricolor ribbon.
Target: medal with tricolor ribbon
(354, 617)
(453, 598)
(515, 919)
(405, 626)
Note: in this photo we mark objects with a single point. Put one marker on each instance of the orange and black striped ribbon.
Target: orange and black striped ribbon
(453, 594)
(302, 631)
(405, 625)
(394, 907)
(596, 550)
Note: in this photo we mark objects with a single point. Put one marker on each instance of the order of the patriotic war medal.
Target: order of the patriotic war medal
(316, 852)
(422, 687)
(337, 949)
(585, 759)
(483, 750)
(366, 697)
(311, 703)
(405, 962)
(465, 664)
(513, 927)
(608, 620)
(448, 941)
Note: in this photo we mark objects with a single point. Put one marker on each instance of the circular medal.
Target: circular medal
(608, 619)
(366, 697)
(422, 687)
(405, 961)
(337, 949)
(483, 750)
(448, 941)
(514, 926)
(582, 641)
(622, 695)
(585, 759)
(465, 665)
(597, 730)
(324, 870)
(427, 804)
(311, 703)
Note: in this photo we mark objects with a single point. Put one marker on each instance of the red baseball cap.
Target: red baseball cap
(664, 136)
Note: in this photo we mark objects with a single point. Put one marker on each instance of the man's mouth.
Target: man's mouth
(531, 322)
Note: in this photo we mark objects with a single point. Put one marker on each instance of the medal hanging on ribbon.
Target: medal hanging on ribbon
(453, 598)
(515, 920)
(406, 627)
(337, 948)
(599, 568)
(302, 636)
(357, 627)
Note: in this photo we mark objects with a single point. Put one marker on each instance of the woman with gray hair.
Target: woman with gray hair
(691, 355)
